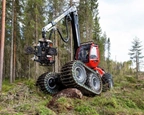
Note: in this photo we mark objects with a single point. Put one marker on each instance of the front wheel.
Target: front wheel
(107, 81)
(48, 83)
(95, 83)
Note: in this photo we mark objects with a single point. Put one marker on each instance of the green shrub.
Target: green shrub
(131, 79)
(30, 83)
(6, 86)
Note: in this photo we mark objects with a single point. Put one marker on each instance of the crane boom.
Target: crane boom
(48, 27)
(73, 17)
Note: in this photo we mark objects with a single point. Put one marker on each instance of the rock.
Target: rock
(69, 92)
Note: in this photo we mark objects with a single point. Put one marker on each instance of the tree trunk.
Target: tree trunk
(56, 57)
(29, 73)
(2, 42)
(72, 55)
(36, 39)
(15, 45)
(137, 65)
(12, 45)
(56, 45)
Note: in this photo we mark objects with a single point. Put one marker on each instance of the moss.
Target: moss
(85, 110)
(125, 99)
(6, 86)
(43, 110)
(139, 103)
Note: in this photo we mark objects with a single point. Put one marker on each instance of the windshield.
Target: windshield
(93, 53)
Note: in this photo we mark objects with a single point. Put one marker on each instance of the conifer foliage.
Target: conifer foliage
(24, 22)
(136, 54)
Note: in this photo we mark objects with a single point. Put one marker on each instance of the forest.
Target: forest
(23, 27)
(24, 21)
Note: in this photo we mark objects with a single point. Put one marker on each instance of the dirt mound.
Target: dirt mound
(62, 101)
(69, 92)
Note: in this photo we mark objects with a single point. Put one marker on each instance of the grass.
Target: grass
(22, 98)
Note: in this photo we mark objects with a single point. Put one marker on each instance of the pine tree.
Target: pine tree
(70, 4)
(7, 40)
(56, 8)
(85, 20)
(108, 54)
(101, 41)
(136, 54)
(12, 44)
(17, 36)
(96, 31)
(2, 41)
(33, 22)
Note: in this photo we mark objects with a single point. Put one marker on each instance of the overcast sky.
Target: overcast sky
(122, 20)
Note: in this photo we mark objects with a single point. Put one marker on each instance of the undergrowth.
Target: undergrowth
(22, 97)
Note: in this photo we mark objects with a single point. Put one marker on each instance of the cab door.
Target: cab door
(93, 56)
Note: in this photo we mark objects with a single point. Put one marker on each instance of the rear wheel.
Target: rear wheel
(107, 81)
(95, 83)
(79, 73)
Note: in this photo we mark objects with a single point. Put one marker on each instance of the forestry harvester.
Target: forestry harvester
(82, 73)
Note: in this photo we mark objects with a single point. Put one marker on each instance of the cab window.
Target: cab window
(93, 53)
(83, 53)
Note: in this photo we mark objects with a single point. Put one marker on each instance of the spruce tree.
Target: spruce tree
(85, 20)
(108, 54)
(136, 54)
(33, 22)
(16, 35)
(100, 40)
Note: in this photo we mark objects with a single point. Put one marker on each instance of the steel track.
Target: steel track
(68, 79)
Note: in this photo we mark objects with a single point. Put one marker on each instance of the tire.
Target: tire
(79, 73)
(48, 83)
(107, 81)
(95, 83)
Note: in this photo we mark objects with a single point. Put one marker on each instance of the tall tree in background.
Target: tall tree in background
(100, 40)
(17, 9)
(2, 41)
(56, 8)
(136, 54)
(15, 33)
(7, 40)
(108, 54)
(85, 20)
(12, 44)
(14, 12)
(33, 23)
(71, 37)
(29, 18)
(96, 29)
(90, 27)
